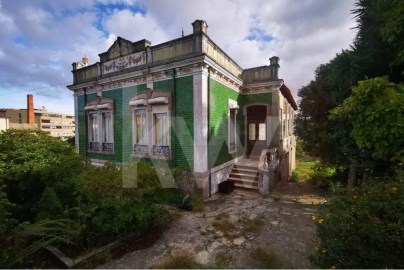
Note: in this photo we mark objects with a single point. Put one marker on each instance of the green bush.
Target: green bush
(294, 177)
(106, 218)
(363, 229)
(30, 161)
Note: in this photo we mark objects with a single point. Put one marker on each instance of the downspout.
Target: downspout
(85, 124)
(208, 135)
(173, 113)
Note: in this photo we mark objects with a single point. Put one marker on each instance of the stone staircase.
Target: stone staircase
(245, 177)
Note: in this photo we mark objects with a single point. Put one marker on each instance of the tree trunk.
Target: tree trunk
(353, 170)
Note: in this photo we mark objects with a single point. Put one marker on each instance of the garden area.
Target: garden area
(350, 124)
(54, 203)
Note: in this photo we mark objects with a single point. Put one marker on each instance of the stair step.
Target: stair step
(243, 176)
(244, 182)
(248, 167)
(251, 189)
(249, 170)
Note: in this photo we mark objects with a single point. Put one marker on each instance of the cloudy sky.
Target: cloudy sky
(39, 39)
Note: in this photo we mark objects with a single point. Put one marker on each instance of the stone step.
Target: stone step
(245, 170)
(250, 189)
(247, 167)
(243, 175)
(244, 182)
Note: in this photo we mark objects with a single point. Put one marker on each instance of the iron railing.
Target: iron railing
(139, 149)
(161, 150)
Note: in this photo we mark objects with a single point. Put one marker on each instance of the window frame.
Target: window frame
(153, 102)
(103, 142)
(232, 111)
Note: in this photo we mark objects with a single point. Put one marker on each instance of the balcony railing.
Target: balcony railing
(94, 146)
(108, 147)
(101, 147)
(161, 150)
(140, 149)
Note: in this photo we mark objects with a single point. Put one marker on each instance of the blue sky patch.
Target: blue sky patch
(19, 39)
(259, 35)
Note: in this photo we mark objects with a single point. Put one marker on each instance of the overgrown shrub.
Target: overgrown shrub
(106, 218)
(363, 229)
(30, 161)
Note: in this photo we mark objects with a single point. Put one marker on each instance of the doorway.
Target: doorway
(256, 130)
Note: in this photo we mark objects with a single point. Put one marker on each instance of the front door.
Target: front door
(256, 130)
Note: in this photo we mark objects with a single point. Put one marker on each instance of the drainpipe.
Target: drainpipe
(208, 137)
(173, 112)
(85, 124)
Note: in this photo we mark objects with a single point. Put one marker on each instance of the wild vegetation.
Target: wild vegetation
(351, 119)
(50, 196)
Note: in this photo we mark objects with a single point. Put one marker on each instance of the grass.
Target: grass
(182, 261)
(266, 258)
(304, 170)
(224, 225)
(253, 225)
(197, 203)
(277, 196)
(311, 172)
(222, 260)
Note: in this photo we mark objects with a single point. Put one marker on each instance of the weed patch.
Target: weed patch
(183, 261)
(222, 260)
(224, 225)
(266, 258)
(253, 225)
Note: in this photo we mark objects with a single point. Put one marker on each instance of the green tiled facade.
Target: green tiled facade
(181, 120)
(218, 134)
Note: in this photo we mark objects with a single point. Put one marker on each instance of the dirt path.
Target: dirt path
(233, 226)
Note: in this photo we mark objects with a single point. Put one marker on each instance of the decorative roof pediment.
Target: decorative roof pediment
(122, 47)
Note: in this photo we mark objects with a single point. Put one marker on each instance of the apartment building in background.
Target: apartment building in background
(55, 124)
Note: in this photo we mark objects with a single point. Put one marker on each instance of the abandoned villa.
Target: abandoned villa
(187, 104)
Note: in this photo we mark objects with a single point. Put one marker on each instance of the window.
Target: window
(232, 125)
(141, 127)
(93, 131)
(161, 146)
(262, 131)
(140, 146)
(151, 124)
(107, 132)
(160, 128)
(232, 131)
(100, 125)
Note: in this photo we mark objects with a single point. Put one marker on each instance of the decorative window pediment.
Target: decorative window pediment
(100, 103)
(151, 97)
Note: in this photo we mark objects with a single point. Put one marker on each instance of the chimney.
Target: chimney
(200, 26)
(30, 109)
(274, 67)
(85, 60)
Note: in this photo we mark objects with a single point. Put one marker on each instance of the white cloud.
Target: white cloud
(135, 26)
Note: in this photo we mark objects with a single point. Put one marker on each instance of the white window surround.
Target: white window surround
(100, 125)
(232, 125)
(152, 102)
